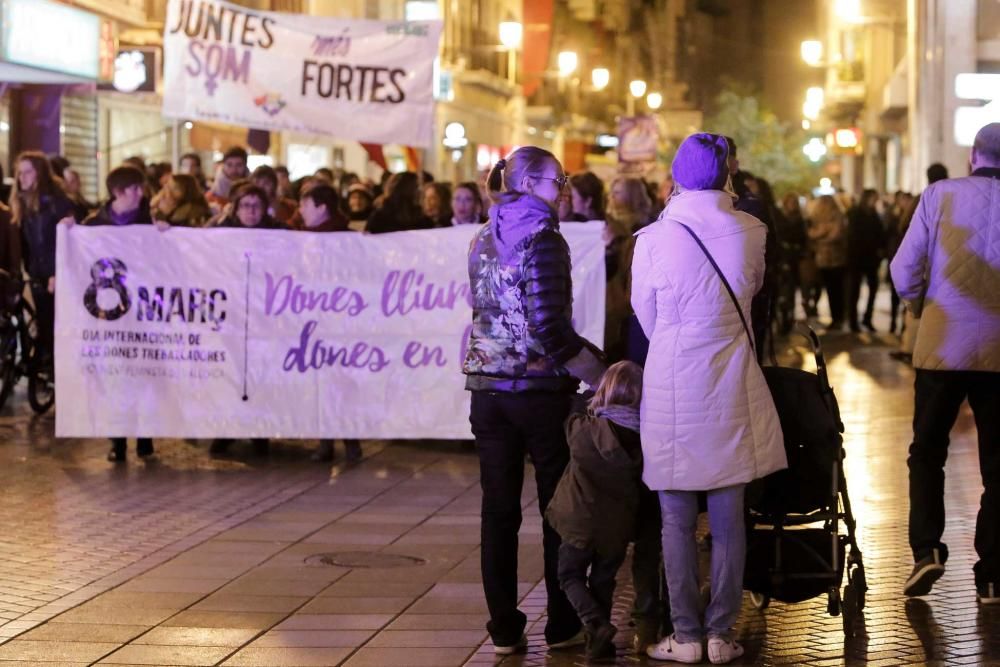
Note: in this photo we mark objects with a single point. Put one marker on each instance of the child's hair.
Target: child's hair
(505, 178)
(621, 385)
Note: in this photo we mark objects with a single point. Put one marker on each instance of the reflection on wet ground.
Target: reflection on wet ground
(189, 560)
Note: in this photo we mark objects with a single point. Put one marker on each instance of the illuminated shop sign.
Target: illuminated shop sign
(50, 36)
(136, 70)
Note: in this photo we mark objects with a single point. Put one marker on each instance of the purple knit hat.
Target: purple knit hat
(700, 162)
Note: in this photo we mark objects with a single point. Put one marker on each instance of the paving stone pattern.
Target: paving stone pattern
(192, 561)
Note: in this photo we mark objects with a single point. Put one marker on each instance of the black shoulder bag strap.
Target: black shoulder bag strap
(722, 277)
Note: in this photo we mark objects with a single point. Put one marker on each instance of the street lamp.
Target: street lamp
(814, 103)
(848, 11)
(511, 34)
(600, 77)
(637, 89)
(812, 52)
(814, 150)
(567, 63)
(654, 101)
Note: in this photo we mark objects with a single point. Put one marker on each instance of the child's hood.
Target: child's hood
(593, 439)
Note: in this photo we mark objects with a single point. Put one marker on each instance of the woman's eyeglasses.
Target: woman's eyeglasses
(560, 181)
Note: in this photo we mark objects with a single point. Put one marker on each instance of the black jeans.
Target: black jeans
(869, 275)
(506, 426)
(142, 445)
(833, 282)
(939, 395)
(591, 595)
(45, 314)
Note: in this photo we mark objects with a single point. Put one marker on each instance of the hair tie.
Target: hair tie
(501, 163)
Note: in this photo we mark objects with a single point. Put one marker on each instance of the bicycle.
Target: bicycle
(19, 333)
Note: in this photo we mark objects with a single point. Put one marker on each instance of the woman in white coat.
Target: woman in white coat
(707, 419)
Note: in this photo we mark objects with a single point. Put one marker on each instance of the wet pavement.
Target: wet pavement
(186, 560)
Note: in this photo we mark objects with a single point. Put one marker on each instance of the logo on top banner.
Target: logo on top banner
(108, 297)
(271, 103)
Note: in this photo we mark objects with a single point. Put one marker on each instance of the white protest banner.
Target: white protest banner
(369, 81)
(254, 333)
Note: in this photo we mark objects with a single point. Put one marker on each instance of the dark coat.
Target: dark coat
(10, 243)
(522, 330)
(267, 222)
(866, 238)
(391, 218)
(595, 504)
(105, 217)
(38, 235)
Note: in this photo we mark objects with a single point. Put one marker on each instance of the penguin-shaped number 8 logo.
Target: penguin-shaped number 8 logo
(107, 274)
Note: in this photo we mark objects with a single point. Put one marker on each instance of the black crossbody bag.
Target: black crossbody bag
(722, 277)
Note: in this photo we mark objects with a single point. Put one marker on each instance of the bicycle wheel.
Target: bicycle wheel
(41, 384)
(8, 362)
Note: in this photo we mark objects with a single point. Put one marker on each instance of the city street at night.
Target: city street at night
(521, 333)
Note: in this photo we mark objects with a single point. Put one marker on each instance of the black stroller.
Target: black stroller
(795, 548)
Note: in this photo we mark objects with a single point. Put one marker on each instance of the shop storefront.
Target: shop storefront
(51, 57)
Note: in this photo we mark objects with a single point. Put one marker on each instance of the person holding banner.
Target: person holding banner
(249, 210)
(523, 366)
(320, 212)
(127, 205)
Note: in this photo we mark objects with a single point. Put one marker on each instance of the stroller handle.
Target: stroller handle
(817, 348)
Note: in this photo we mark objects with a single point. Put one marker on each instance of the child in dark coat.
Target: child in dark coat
(595, 505)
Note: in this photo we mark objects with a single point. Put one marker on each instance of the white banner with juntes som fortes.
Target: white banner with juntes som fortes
(256, 333)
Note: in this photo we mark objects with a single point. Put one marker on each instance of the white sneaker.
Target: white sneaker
(518, 647)
(721, 651)
(675, 651)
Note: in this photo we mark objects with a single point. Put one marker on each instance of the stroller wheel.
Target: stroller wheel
(861, 584)
(760, 600)
(850, 610)
(833, 602)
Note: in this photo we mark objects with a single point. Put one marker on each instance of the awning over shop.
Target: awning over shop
(12, 73)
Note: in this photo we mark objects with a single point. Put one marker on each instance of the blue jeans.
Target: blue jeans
(679, 510)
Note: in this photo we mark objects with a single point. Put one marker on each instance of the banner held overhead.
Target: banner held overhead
(369, 81)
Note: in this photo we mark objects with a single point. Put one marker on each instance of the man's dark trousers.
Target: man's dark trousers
(939, 395)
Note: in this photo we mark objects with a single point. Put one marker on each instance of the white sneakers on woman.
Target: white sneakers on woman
(720, 651)
(671, 649)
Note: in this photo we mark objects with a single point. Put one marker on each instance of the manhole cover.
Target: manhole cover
(364, 559)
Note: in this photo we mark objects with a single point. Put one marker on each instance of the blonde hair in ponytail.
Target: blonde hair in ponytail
(505, 178)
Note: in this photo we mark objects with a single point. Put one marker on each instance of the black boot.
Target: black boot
(323, 453)
(144, 448)
(352, 451)
(118, 447)
(600, 642)
(220, 446)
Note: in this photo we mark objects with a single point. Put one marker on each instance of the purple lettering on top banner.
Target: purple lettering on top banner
(287, 294)
(315, 354)
(404, 292)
